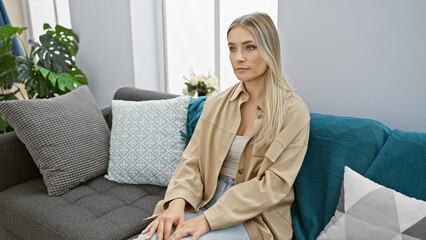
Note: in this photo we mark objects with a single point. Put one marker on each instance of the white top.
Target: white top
(230, 164)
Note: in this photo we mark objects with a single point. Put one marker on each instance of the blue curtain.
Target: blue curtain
(4, 20)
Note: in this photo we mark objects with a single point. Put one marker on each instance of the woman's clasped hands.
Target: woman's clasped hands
(174, 215)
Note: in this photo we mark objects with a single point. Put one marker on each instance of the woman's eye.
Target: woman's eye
(232, 49)
(251, 47)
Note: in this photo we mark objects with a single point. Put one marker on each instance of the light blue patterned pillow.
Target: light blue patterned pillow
(146, 140)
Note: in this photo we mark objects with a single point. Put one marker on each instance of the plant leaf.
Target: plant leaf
(8, 70)
(4, 125)
(79, 75)
(44, 71)
(53, 78)
(67, 81)
(8, 63)
(43, 89)
(53, 54)
(64, 81)
(47, 74)
(46, 26)
(67, 37)
(8, 31)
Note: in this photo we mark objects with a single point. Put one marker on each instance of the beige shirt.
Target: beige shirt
(263, 191)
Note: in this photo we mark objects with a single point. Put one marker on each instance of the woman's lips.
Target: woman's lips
(242, 69)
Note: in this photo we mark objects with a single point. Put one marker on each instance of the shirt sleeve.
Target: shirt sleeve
(186, 180)
(283, 159)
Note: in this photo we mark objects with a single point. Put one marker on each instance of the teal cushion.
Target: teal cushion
(404, 158)
(146, 141)
(334, 142)
(196, 106)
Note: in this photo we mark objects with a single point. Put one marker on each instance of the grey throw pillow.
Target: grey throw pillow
(66, 136)
(368, 210)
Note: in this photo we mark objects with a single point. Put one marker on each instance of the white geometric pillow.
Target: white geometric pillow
(367, 210)
(146, 140)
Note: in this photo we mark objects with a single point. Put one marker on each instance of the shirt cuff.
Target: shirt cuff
(189, 197)
(214, 217)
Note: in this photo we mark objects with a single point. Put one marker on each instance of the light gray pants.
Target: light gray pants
(237, 232)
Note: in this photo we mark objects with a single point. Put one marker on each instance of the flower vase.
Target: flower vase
(201, 93)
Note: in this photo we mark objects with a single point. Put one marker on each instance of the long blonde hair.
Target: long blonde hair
(277, 89)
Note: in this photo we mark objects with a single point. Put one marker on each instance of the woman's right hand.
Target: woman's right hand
(173, 215)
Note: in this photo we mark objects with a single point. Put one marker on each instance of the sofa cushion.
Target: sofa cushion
(66, 136)
(5, 234)
(98, 209)
(368, 210)
(196, 106)
(146, 140)
(404, 158)
(334, 142)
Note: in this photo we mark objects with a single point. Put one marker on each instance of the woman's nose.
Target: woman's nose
(240, 56)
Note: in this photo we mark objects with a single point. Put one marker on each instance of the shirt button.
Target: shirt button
(258, 108)
(260, 116)
(240, 171)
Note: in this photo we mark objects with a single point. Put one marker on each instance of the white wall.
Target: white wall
(105, 53)
(119, 45)
(358, 58)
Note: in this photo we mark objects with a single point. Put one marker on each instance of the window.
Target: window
(189, 40)
(52, 12)
(193, 39)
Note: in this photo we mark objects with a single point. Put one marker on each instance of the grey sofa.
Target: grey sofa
(100, 209)
(97, 209)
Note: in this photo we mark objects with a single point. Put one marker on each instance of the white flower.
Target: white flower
(201, 78)
(186, 92)
(210, 82)
(200, 83)
(193, 81)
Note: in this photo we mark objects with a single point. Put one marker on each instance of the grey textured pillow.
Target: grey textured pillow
(66, 136)
(367, 210)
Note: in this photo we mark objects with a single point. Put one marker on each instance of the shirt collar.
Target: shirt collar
(239, 89)
(242, 89)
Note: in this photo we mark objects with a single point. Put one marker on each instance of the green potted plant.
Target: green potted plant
(48, 70)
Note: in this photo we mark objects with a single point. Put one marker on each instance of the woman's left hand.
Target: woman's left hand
(196, 227)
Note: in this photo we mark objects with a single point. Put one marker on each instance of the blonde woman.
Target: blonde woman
(236, 175)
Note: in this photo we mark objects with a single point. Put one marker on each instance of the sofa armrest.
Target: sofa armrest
(107, 115)
(16, 163)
